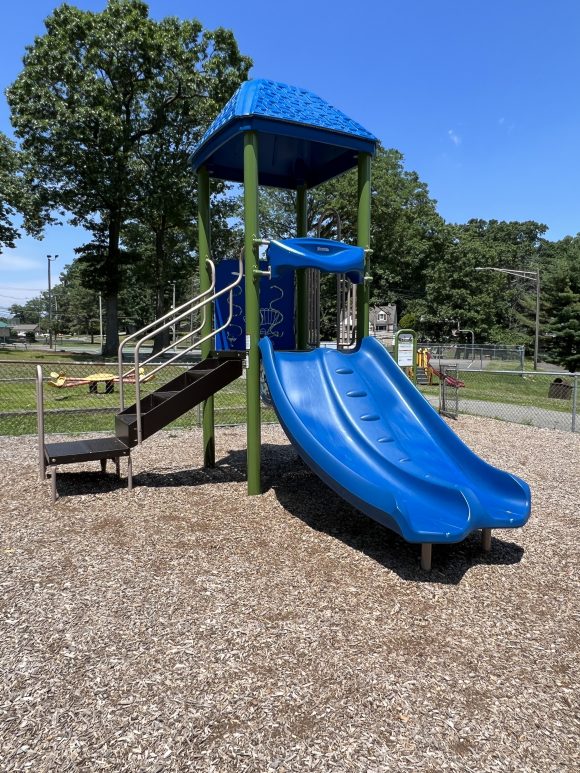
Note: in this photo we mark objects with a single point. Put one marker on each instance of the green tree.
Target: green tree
(496, 306)
(561, 301)
(94, 89)
(407, 233)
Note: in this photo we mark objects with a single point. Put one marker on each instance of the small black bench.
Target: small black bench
(75, 451)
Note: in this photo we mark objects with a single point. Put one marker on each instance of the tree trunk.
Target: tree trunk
(112, 279)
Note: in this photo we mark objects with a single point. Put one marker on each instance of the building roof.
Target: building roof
(4, 325)
(302, 138)
(24, 328)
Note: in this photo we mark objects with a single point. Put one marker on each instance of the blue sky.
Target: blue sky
(481, 96)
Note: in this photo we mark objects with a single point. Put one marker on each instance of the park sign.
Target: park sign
(406, 351)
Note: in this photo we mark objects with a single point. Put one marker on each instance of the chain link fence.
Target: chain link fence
(91, 407)
(539, 399)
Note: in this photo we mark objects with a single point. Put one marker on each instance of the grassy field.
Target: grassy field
(75, 409)
(529, 389)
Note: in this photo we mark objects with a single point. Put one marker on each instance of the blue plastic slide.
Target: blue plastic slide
(361, 425)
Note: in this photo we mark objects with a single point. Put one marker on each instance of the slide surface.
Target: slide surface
(361, 425)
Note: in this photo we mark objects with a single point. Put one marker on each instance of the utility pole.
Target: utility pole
(50, 259)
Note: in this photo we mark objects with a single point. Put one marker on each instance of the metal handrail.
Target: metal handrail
(40, 422)
(152, 332)
(199, 305)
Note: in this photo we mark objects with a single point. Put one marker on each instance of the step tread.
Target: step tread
(71, 451)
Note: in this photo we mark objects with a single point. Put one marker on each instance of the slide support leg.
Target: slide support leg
(426, 551)
(486, 540)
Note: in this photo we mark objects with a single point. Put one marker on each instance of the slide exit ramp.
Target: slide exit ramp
(361, 425)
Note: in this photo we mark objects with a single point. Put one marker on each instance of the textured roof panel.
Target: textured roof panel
(292, 115)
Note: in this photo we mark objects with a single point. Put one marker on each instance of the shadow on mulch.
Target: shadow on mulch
(74, 484)
(305, 496)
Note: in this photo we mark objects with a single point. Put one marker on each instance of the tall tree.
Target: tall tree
(17, 197)
(407, 233)
(489, 303)
(94, 88)
(561, 300)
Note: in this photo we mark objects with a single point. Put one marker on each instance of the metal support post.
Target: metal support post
(301, 283)
(53, 484)
(251, 233)
(129, 473)
(426, 552)
(40, 422)
(364, 237)
(203, 217)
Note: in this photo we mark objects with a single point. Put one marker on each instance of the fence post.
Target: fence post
(574, 402)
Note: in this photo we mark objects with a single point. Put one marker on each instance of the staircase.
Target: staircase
(152, 412)
(172, 400)
(422, 377)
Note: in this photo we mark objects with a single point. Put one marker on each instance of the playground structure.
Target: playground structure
(427, 369)
(62, 381)
(351, 413)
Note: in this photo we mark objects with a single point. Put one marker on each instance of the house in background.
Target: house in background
(383, 322)
(25, 331)
(4, 332)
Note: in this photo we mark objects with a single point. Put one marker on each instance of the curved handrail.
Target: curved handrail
(200, 304)
(152, 332)
(331, 212)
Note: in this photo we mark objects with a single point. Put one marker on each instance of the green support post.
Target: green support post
(363, 240)
(251, 232)
(301, 288)
(203, 220)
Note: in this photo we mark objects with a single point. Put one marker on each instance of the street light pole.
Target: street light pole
(534, 276)
(50, 258)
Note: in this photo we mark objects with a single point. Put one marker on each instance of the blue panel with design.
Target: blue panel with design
(276, 310)
(303, 140)
(324, 254)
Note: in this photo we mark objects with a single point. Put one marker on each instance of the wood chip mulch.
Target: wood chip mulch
(187, 627)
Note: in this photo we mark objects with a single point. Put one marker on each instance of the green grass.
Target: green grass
(527, 390)
(73, 404)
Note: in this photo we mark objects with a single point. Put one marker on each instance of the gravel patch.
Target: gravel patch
(187, 627)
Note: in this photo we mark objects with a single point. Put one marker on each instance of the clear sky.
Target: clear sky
(481, 96)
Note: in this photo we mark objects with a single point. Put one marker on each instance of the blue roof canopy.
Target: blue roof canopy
(302, 139)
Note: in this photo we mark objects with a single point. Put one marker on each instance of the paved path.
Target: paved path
(520, 414)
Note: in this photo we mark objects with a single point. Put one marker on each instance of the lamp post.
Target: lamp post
(534, 276)
(50, 259)
(460, 329)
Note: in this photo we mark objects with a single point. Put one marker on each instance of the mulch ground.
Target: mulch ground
(187, 627)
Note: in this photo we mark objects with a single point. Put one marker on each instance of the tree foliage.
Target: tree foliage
(97, 93)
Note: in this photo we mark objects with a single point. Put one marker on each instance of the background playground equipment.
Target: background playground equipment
(426, 371)
(352, 415)
(61, 380)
